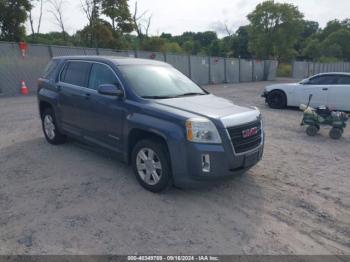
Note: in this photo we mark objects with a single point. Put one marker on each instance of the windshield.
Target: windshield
(305, 81)
(158, 82)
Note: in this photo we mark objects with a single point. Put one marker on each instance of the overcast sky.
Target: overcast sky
(178, 16)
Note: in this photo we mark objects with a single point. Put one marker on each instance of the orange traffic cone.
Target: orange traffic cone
(24, 89)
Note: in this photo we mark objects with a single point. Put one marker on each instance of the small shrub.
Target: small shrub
(284, 70)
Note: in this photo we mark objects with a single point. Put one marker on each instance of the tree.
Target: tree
(31, 19)
(172, 47)
(274, 29)
(142, 23)
(56, 10)
(119, 13)
(241, 42)
(91, 9)
(13, 14)
(337, 44)
(100, 33)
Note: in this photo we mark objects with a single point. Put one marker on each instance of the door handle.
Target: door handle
(325, 89)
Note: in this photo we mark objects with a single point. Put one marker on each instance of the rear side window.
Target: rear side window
(101, 74)
(343, 80)
(76, 73)
(49, 72)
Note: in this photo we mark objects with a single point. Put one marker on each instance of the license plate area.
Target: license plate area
(251, 159)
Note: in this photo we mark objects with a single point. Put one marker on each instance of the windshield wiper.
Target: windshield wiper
(190, 94)
(157, 97)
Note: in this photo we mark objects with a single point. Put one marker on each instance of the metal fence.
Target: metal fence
(304, 69)
(203, 70)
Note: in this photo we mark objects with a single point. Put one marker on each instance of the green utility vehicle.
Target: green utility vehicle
(322, 115)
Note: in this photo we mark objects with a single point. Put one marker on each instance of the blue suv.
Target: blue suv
(151, 116)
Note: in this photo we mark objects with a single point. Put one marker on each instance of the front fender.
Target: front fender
(172, 133)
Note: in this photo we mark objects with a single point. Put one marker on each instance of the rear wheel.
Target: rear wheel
(277, 99)
(150, 161)
(336, 133)
(312, 130)
(51, 132)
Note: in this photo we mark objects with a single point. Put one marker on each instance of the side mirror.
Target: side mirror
(110, 90)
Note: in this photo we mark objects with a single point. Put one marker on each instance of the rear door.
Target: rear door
(318, 86)
(103, 115)
(339, 93)
(72, 80)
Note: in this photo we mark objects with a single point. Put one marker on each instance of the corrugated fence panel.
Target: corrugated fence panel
(232, 70)
(217, 70)
(300, 70)
(180, 62)
(200, 69)
(105, 52)
(33, 65)
(66, 51)
(246, 71)
(90, 51)
(258, 72)
(14, 67)
(150, 55)
(303, 69)
(9, 69)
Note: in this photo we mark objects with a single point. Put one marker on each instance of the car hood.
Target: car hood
(213, 107)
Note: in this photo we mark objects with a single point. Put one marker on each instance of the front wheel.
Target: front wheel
(336, 133)
(150, 161)
(277, 99)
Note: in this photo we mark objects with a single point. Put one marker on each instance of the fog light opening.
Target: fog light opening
(206, 163)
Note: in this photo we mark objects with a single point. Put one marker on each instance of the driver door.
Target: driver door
(104, 115)
(318, 87)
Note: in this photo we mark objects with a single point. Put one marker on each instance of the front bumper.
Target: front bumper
(265, 94)
(224, 163)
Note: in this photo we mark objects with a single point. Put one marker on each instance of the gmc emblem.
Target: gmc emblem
(249, 132)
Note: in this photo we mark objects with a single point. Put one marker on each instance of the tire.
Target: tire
(49, 125)
(154, 174)
(277, 99)
(312, 130)
(336, 133)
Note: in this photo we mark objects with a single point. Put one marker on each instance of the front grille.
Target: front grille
(241, 144)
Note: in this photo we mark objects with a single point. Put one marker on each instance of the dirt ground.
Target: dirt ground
(72, 200)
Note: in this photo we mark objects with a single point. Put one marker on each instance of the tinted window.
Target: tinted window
(101, 74)
(161, 81)
(343, 80)
(323, 80)
(76, 73)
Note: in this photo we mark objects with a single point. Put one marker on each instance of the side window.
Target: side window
(323, 80)
(343, 80)
(101, 74)
(76, 73)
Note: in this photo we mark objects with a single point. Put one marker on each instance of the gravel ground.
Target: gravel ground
(71, 200)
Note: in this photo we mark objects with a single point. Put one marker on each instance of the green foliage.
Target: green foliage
(119, 13)
(13, 14)
(331, 42)
(324, 59)
(274, 29)
(284, 70)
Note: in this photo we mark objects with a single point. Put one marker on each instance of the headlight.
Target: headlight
(202, 130)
